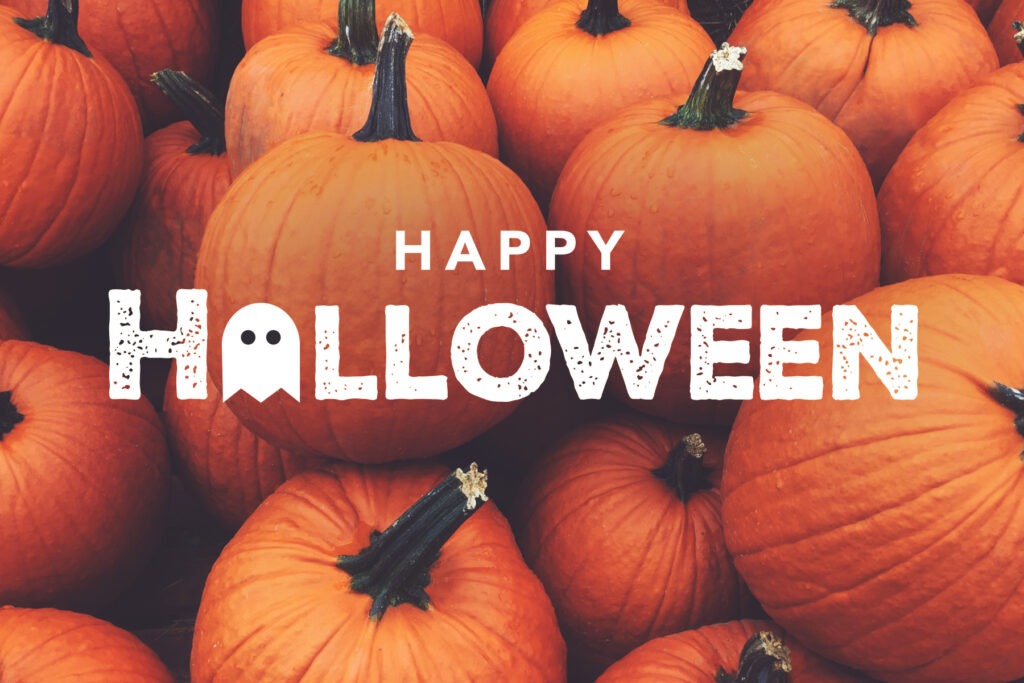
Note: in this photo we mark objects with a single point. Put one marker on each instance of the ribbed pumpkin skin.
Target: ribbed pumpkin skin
(275, 605)
(140, 37)
(879, 532)
(696, 656)
(83, 491)
(1001, 31)
(820, 55)
(72, 149)
(47, 645)
(553, 82)
(953, 202)
(288, 84)
(313, 223)
(705, 223)
(623, 559)
(166, 223)
(456, 22)
(229, 468)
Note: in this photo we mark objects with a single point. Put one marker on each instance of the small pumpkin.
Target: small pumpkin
(562, 74)
(356, 561)
(878, 68)
(71, 140)
(318, 76)
(631, 547)
(879, 531)
(46, 645)
(1006, 35)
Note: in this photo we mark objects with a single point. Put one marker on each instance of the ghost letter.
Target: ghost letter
(260, 353)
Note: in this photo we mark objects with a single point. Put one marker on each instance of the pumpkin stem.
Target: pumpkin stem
(602, 17)
(1018, 35)
(874, 14)
(9, 415)
(764, 659)
(199, 106)
(389, 107)
(684, 471)
(1011, 398)
(710, 103)
(718, 17)
(357, 32)
(60, 25)
(395, 568)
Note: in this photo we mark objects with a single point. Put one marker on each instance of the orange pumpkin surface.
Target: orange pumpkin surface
(879, 531)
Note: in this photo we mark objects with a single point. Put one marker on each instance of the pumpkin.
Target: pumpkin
(45, 645)
(732, 652)
(559, 75)
(952, 202)
(83, 492)
(360, 574)
(457, 22)
(71, 140)
(313, 223)
(318, 76)
(185, 174)
(630, 547)
(1006, 35)
(879, 531)
(139, 37)
(229, 469)
(705, 224)
(878, 68)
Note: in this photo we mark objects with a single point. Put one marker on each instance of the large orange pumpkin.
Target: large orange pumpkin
(705, 224)
(47, 645)
(307, 78)
(308, 585)
(313, 223)
(880, 532)
(631, 546)
(954, 200)
(878, 68)
(83, 489)
(71, 140)
(1004, 33)
(573, 65)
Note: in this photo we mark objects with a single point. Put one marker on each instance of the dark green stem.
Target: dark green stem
(1009, 397)
(602, 17)
(9, 415)
(764, 659)
(874, 14)
(389, 108)
(395, 568)
(710, 103)
(199, 106)
(684, 471)
(60, 25)
(718, 17)
(357, 32)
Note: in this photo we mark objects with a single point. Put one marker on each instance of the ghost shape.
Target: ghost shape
(260, 353)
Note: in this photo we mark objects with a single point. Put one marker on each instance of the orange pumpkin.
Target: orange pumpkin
(953, 201)
(562, 74)
(878, 68)
(309, 585)
(309, 79)
(733, 652)
(705, 224)
(85, 483)
(185, 174)
(46, 645)
(1004, 32)
(879, 531)
(630, 547)
(313, 223)
(71, 140)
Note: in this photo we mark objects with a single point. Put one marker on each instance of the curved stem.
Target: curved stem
(602, 17)
(60, 25)
(684, 471)
(9, 415)
(710, 103)
(874, 14)
(764, 659)
(199, 106)
(357, 32)
(389, 108)
(1009, 397)
(395, 568)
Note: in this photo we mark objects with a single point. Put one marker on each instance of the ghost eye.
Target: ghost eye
(248, 337)
(273, 337)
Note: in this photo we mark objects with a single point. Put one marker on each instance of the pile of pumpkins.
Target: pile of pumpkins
(860, 151)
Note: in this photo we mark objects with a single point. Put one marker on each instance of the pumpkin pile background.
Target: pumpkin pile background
(858, 151)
